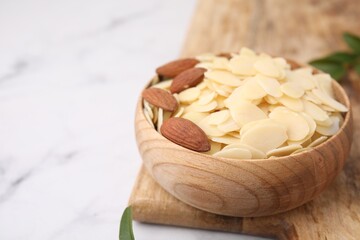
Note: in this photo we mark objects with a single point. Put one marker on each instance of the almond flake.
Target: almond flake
(223, 77)
(297, 126)
(235, 153)
(245, 112)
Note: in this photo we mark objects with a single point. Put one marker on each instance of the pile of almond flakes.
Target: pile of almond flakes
(244, 105)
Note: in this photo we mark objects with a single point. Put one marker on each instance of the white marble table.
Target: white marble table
(70, 74)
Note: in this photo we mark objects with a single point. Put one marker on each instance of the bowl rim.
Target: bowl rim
(347, 118)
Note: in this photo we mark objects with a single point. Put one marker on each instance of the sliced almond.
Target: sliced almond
(324, 82)
(205, 65)
(244, 51)
(201, 85)
(223, 90)
(226, 139)
(312, 127)
(281, 63)
(267, 67)
(186, 79)
(223, 77)
(302, 76)
(186, 134)
(220, 63)
(256, 101)
(209, 84)
(326, 123)
(148, 118)
(215, 147)
(148, 108)
(228, 126)
(330, 130)
(195, 117)
(243, 65)
(250, 90)
(205, 99)
(311, 97)
(253, 103)
(155, 112)
(270, 85)
(189, 95)
(294, 104)
(174, 68)
(327, 100)
(160, 98)
(179, 112)
(264, 107)
(301, 150)
(297, 126)
(270, 99)
(195, 107)
(318, 141)
(163, 84)
(265, 137)
(235, 153)
(314, 111)
(236, 97)
(219, 117)
(235, 134)
(160, 119)
(210, 130)
(306, 143)
(266, 121)
(245, 112)
(155, 80)
(206, 57)
(220, 102)
(327, 108)
(292, 89)
(339, 116)
(256, 154)
(283, 151)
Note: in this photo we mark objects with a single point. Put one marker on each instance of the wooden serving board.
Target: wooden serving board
(299, 30)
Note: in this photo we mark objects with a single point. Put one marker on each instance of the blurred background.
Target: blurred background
(70, 75)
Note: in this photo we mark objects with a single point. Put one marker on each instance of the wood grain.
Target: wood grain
(299, 30)
(245, 188)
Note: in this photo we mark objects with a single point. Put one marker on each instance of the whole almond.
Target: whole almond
(225, 55)
(187, 79)
(160, 98)
(174, 68)
(293, 65)
(186, 134)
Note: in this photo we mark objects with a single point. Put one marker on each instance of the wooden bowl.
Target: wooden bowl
(243, 188)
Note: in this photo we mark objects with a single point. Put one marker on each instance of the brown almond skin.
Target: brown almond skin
(174, 68)
(160, 98)
(293, 65)
(186, 134)
(187, 79)
(225, 55)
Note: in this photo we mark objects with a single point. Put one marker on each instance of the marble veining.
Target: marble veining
(70, 75)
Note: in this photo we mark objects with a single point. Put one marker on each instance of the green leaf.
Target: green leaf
(341, 57)
(126, 231)
(336, 70)
(357, 68)
(352, 41)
